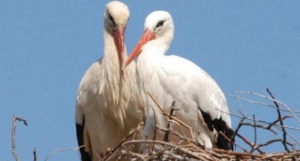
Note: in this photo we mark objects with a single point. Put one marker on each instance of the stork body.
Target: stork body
(198, 97)
(108, 102)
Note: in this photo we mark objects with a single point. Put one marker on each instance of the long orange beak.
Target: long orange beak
(119, 41)
(147, 36)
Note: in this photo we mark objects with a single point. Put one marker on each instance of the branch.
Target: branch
(255, 136)
(34, 155)
(281, 122)
(220, 132)
(58, 150)
(249, 143)
(173, 118)
(274, 100)
(154, 136)
(172, 110)
(141, 124)
(13, 135)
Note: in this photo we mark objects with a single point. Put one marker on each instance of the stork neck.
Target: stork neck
(110, 58)
(157, 46)
(110, 49)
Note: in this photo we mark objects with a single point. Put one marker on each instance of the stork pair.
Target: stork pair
(113, 94)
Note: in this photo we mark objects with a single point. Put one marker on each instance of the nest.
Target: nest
(188, 149)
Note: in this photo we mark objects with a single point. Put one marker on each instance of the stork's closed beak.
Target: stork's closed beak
(119, 41)
(147, 36)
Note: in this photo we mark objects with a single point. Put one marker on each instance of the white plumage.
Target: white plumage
(198, 97)
(108, 103)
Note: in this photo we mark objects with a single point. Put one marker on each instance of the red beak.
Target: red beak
(147, 36)
(119, 41)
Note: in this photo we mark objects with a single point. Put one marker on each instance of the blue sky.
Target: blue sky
(46, 46)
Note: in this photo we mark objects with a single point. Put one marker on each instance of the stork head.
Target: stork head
(158, 25)
(116, 16)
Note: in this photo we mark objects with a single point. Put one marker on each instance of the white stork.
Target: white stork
(198, 97)
(108, 102)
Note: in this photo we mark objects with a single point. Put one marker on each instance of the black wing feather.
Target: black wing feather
(85, 156)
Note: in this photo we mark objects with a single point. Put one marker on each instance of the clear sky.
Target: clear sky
(46, 46)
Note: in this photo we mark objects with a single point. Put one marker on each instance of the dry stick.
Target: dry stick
(220, 132)
(174, 155)
(274, 122)
(154, 136)
(258, 126)
(181, 129)
(291, 136)
(67, 149)
(241, 105)
(272, 141)
(274, 100)
(249, 118)
(174, 118)
(166, 138)
(262, 103)
(127, 151)
(13, 135)
(132, 154)
(181, 137)
(249, 143)
(220, 151)
(129, 135)
(156, 154)
(240, 154)
(281, 122)
(34, 155)
(241, 123)
(257, 120)
(166, 144)
(229, 152)
(255, 136)
(237, 128)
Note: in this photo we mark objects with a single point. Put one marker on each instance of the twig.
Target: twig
(181, 137)
(257, 120)
(281, 122)
(255, 136)
(237, 128)
(34, 155)
(154, 136)
(141, 124)
(258, 126)
(249, 143)
(174, 118)
(132, 154)
(274, 100)
(13, 135)
(156, 154)
(220, 132)
(260, 103)
(274, 122)
(58, 150)
(273, 141)
(166, 137)
(241, 105)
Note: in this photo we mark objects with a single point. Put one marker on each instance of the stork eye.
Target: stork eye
(160, 23)
(112, 20)
(110, 17)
